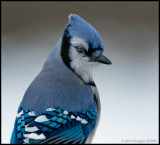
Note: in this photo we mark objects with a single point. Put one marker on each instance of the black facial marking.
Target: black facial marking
(65, 47)
(65, 53)
(95, 99)
(91, 84)
(91, 50)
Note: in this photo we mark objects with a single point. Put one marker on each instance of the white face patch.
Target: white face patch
(77, 41)
(81, 63)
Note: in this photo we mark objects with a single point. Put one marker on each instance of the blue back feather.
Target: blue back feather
(57, 86)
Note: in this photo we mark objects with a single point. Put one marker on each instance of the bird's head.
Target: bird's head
(82, 48)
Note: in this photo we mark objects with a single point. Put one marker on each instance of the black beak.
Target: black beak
(97, 56)
(103, 59)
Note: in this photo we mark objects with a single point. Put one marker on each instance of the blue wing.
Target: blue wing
(55, 126)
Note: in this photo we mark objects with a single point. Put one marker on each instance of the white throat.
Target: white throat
(80, 63)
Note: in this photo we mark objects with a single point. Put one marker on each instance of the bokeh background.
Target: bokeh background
(128, 88)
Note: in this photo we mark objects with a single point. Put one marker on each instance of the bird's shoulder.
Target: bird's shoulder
(49, 90)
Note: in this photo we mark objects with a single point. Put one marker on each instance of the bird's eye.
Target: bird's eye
(80, 49)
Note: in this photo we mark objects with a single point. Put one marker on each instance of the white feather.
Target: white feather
(26, 140)
(72, 116)
(65, 112)
(78, 118)
(84, 121)
(50, 109)
(34, 136)
(19, 114)
(41, 118)
(32, 113)
(31, 129)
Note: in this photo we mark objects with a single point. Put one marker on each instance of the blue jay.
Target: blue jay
(62, 104)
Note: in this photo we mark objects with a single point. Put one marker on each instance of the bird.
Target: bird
(62, 104)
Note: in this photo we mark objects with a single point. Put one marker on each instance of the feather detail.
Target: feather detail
(54, 126)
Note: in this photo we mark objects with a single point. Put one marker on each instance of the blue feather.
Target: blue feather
(85, 31)
(67, 130)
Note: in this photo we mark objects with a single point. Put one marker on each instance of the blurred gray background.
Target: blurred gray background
(128, 88)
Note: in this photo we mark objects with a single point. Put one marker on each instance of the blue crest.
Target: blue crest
(79, 27)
